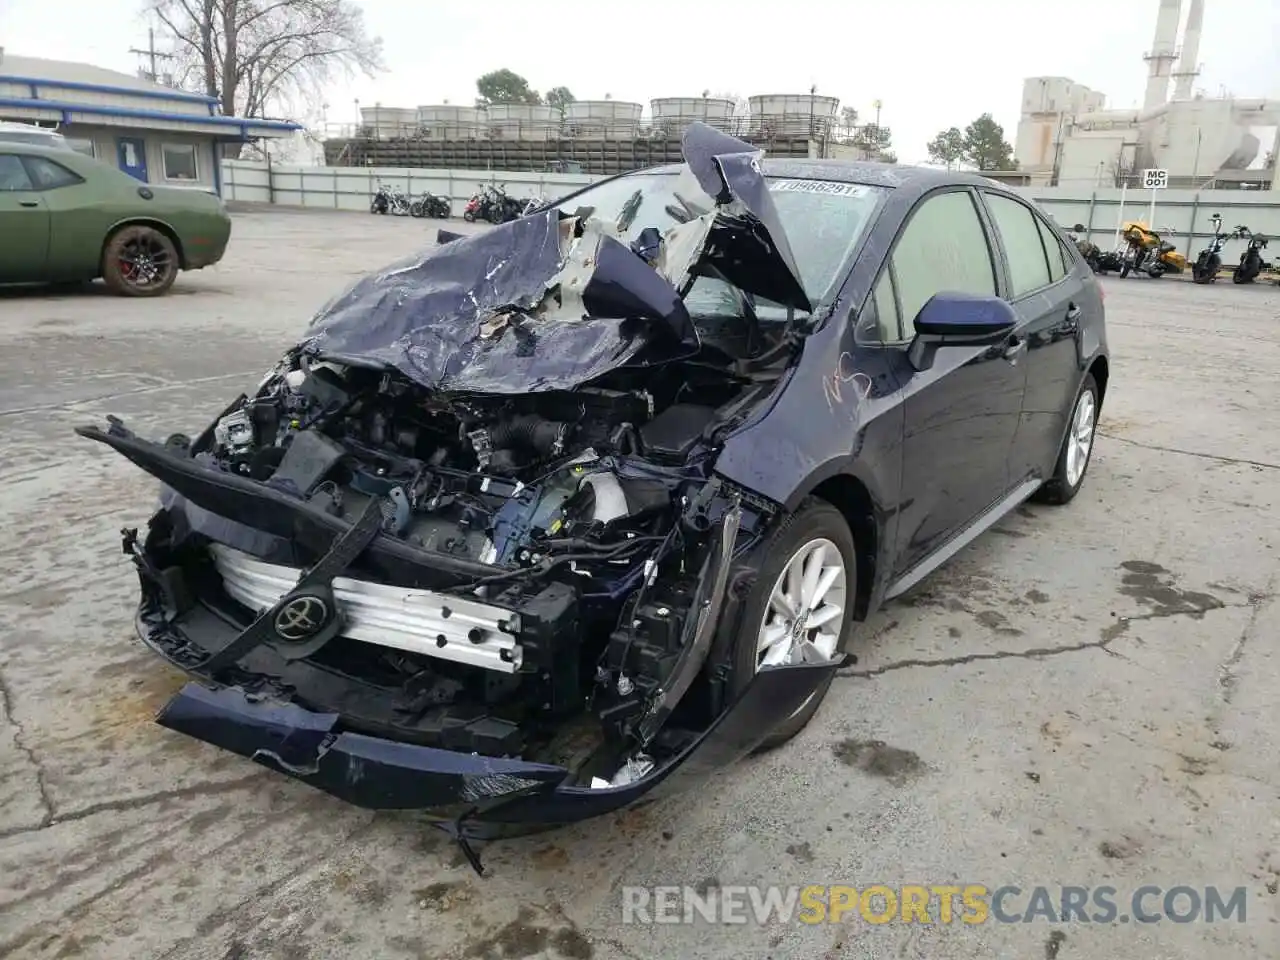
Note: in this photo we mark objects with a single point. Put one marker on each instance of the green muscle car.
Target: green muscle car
(65, 217)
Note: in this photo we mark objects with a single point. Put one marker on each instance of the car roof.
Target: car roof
(857, 171)
(30, 128)
(57, 150)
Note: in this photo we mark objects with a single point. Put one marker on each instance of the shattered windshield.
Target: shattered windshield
(823, 220)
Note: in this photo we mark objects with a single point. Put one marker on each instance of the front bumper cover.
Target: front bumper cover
(475, 796)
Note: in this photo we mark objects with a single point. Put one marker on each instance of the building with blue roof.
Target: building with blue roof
(150, 131)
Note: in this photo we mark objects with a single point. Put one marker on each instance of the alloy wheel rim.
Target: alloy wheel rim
(144, 262)
(806, 608)
(1080, 440)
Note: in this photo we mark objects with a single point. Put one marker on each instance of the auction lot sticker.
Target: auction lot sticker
(830, 188)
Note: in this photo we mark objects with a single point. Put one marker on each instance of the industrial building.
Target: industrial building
(601, 136)
(151, 131)
(1067, 136)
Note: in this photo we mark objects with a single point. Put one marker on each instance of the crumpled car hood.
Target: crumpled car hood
(527, 306)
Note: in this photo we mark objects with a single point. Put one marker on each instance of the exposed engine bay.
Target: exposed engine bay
(561, 538)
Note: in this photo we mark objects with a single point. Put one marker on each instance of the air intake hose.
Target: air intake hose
(530, 432)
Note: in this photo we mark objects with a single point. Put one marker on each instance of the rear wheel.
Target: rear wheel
(139, 261)
(1077, 448)
(801, 607)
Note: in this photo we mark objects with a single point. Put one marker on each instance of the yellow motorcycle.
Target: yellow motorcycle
(1146, 252)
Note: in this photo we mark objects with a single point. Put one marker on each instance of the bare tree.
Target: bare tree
(261, 55)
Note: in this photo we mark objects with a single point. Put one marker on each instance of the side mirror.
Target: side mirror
(958, 319)
(1079, 228)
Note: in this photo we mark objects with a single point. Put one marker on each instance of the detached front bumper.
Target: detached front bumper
(472, 795)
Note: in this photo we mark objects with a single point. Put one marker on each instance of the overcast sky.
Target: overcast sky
(933, 63)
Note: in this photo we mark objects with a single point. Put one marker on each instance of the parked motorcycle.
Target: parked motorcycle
(386, 200)
(1209, 261)
(1146, 252)
(1099, 260)
(1251, 262)
(492, 203)
(429, 205)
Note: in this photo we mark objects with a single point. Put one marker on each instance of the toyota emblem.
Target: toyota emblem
(301, 618)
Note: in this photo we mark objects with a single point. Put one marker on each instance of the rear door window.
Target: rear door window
(1058, 264)
(1023, 248)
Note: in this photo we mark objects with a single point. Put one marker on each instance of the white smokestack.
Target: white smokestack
(1163, 53)
(1188, 68)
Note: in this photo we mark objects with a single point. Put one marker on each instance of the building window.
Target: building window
(179, 161)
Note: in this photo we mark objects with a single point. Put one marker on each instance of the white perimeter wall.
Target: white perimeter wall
(1182, 215)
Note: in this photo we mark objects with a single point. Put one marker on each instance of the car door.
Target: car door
(79, 217)
(1049, 299)
(961, 414)
(24, 224)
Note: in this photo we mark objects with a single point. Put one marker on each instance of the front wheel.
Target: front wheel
(801, 606)
(139, 261)
(417, 209)
(469, 216)
(1077, 448)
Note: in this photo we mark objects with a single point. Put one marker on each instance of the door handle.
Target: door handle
(1017, 346)
(1073, 314)
(28, 203)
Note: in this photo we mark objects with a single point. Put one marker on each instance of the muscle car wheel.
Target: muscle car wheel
(801, 607)
(1077, 447)
(139, 261)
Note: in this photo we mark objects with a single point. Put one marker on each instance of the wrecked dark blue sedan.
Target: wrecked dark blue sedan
(592, 503)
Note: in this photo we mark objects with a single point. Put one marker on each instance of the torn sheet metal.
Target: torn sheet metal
(748, 245)
(432, 318)
(538, 304)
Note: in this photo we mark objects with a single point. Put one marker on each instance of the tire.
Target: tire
(417, 209)
(1059, 489)
(469, 217)
(815, 520)
(1124, 269)
(139, 261)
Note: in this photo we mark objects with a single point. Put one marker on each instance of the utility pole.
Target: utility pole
(152, 55)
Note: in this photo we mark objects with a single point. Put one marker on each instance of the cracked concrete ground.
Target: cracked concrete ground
(1084, 696)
